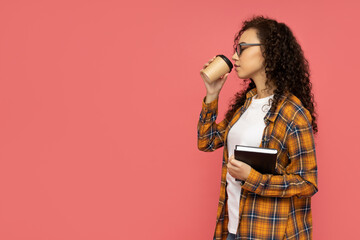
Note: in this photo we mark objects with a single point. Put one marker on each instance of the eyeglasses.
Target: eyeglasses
(239, 50)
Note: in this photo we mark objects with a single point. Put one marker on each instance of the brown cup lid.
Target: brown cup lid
(228, 62)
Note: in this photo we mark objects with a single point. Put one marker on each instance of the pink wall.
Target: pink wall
(99, 103)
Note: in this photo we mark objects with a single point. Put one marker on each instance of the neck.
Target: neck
(259, 81)
(261, 92)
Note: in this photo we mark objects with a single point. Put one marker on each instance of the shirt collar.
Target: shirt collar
(269, 116)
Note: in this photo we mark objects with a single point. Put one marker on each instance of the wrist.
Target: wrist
(211, 97)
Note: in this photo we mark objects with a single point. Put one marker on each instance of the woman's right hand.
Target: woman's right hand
(214, 87)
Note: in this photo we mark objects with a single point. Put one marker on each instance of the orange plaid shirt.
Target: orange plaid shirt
(271, 206)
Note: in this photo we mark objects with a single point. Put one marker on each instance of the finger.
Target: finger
(232, 163)
(235, 163)
(228, 166)
(224, 76)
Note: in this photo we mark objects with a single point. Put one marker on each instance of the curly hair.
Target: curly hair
(284, 64)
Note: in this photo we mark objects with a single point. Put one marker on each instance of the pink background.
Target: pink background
(99, 106)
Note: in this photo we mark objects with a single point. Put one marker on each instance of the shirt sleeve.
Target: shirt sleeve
(210, 134)
(301, 173)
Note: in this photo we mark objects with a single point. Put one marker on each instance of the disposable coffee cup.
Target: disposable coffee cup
(218, 67)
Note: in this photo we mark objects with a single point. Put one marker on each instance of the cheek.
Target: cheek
(251, 60)
(251, 64)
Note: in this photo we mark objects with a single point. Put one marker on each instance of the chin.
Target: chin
(242, 76)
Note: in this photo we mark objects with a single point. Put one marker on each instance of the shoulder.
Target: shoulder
(294, 111)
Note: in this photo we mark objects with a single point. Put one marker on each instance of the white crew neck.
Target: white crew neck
(261, 100)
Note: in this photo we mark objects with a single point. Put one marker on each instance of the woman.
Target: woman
(276, 110)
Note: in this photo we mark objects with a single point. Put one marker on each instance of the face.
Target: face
(250, 62)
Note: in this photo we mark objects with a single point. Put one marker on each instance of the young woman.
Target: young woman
(276, 110)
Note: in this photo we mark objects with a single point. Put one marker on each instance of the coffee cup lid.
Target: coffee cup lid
(228, 62)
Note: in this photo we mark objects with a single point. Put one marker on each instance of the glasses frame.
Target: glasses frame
(238, 52)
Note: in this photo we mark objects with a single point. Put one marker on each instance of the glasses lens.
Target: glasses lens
(238, 50)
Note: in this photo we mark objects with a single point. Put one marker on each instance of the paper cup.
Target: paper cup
(220, 66)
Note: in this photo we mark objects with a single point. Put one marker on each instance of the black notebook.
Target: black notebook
(262, 160)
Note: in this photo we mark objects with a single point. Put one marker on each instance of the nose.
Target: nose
(235, 57)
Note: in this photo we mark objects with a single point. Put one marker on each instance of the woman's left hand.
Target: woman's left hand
(238, 169)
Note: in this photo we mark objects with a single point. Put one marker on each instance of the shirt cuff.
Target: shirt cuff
(253, 181)
(211, 105)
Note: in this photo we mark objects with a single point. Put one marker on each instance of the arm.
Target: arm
(301, 173)
(210, 134)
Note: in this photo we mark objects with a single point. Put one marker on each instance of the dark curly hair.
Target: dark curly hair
(284, 63)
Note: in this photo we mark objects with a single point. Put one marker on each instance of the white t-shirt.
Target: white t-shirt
(248, 131)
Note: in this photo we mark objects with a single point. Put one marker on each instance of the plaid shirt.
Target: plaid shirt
(271, 206)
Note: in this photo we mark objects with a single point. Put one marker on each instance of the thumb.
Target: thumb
(224, 77)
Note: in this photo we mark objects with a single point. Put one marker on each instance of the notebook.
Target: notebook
(262, 160)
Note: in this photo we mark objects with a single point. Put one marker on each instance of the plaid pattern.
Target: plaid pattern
(271, 206)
